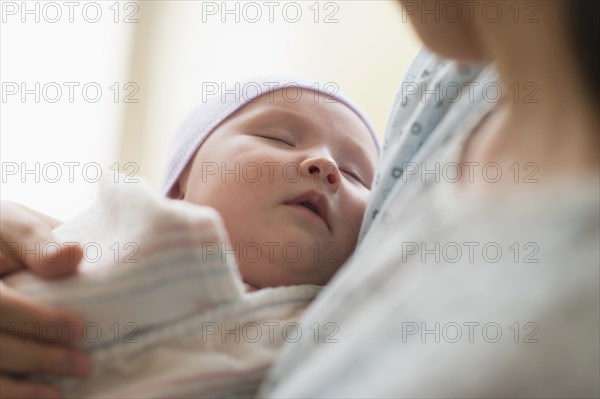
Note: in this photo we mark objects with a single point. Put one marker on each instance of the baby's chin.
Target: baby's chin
(277, 274)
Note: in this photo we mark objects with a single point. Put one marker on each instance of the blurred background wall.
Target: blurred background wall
(89, 85)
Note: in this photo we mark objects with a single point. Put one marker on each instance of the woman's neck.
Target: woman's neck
(547, 116)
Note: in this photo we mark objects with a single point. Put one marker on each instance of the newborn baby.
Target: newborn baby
(267, 195)
(293, 174)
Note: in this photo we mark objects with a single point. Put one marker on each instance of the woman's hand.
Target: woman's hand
(34, 341)
(35, 338)
(27, 242)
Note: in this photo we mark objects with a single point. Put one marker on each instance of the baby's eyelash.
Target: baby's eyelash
(278, 139)
(352, 175)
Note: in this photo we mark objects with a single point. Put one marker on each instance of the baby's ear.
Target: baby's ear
(176, 191)
(180, 187)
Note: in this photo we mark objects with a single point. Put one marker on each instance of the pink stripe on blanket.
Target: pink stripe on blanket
(178, 244)
(196, 378)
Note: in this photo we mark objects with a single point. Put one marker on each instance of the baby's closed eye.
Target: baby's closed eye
(355, 177)
(273, 137)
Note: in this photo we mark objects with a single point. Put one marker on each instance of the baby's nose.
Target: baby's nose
(322, 170)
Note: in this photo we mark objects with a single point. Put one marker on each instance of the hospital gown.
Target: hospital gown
(449, 294)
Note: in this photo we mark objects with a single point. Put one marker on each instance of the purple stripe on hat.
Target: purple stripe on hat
(214, 110)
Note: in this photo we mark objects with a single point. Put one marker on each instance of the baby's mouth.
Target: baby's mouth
(309, 206)
(314, 202)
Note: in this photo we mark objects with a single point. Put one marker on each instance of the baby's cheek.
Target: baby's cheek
(354, 214)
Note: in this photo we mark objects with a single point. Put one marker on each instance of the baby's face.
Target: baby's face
(291, 181)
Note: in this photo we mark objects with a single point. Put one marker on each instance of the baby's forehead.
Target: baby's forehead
(310, 112)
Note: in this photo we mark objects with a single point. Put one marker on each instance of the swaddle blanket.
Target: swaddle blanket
(165, 310)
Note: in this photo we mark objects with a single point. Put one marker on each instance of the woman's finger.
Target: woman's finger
(49, 220)
(27, 241)
(8, 263)
(12, 389)
(24, 316)
(21, 355)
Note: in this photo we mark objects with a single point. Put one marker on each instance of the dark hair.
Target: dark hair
(586, 32)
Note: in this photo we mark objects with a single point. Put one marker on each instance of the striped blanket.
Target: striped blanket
(165, 310)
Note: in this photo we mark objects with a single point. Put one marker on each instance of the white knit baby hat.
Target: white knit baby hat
(220, 101)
